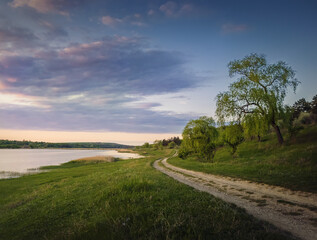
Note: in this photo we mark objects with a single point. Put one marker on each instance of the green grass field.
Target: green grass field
(126, 199)
(293, 165)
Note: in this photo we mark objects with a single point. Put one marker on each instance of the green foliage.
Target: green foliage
(288, 121)
(176, 140)
(255, 125)
(171, 145)
(158, 144)
(313, 105)
(199, 137)
(301, 106)
(146, 145)
(304, 118)
(261, 89)
(233, 136)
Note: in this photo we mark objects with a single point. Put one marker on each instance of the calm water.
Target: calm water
(15, 161)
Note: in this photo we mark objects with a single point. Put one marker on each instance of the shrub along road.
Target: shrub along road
(292, 211)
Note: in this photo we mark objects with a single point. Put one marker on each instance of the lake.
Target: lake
(14, 162)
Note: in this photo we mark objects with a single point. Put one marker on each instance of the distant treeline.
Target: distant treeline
(30, 144)
(173, 142)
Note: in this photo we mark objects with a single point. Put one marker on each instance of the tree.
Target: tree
(233, 136)
(171, 145)
(313, 105)
(254, 125)
(176, 140)
(199, 137)
(288, 121)
(158, 144)
(261, 89)
(146, 145)
(301, 106)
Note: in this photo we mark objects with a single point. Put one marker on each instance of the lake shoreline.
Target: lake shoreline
(18, 162)
(123, 149)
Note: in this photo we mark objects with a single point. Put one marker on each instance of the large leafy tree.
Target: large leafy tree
(261, 89)
(199, 137)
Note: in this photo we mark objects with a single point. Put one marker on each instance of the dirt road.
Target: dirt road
(292, 211)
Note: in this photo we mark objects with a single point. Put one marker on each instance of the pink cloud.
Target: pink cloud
(233, 28)
(172, 9)
(169, 8)
(187, 8)
(135, 20)
(111, 21)
(137, 15)
(79, 49)
(2, 86)
(11, 79)
(151, 12)
(42, 6)
(147, 105)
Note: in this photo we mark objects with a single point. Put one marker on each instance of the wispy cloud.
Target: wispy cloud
(10, 100)
(172, 9)
(53, 31)
(48, 6)
(151, 12)
(111, 21)
(42, 6)
(16, 37)
(234, 28)
(135, 19)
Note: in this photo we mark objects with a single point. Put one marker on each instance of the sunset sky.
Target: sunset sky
(134, 71)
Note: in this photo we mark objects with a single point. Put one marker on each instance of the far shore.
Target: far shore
(117, 149)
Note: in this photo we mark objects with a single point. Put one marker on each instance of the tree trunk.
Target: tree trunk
(278, 133)
(259, 138)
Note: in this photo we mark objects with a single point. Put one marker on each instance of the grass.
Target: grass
(293, 165)
(118, 200)
(96, 159)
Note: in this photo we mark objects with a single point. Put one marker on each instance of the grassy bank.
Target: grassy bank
(125, 199)
(293, 165)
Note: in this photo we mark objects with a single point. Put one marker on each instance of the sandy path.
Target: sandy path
(292, 211)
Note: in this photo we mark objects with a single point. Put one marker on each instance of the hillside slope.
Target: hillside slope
(293, 165)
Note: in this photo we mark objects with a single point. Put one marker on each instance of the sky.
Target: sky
(135, 71)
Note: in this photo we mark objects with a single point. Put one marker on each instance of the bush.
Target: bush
(305, 119)
(146, 145)
(171, 145)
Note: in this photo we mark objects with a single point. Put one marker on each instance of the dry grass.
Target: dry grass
(126, 150)
(96, 159)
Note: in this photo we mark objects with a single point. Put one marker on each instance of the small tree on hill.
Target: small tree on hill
(199, 137)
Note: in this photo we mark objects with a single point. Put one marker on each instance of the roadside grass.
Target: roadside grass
(293, 165)
(126, 199)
